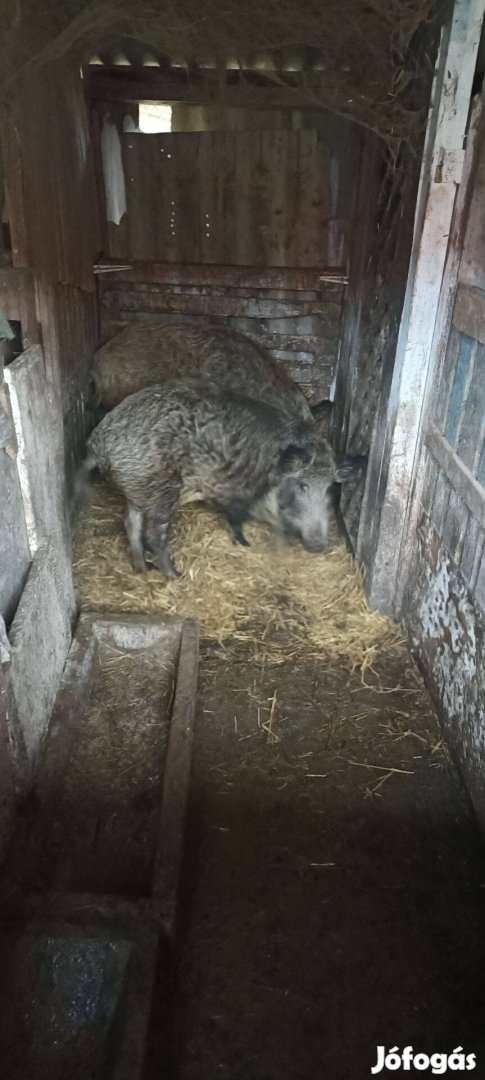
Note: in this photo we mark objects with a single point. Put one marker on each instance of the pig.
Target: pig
(144, 354)
(192, 441)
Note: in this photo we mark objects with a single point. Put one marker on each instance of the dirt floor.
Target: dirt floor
(335, 892)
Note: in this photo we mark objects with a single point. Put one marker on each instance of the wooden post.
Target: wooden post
(396, 446)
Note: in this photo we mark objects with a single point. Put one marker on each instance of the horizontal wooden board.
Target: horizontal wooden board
(149, 298)
(251, 277)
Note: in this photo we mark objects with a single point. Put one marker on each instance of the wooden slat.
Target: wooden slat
(269, 277)
(459, 476)
(455, 526)
(462, 371)
(429, 484)
(472, 552)
(471, 433)
(150, 298)
(469, 312)
(123, 85)
(440, 502)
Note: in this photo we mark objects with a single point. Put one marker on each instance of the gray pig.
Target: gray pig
(188, 442)
(145, 354)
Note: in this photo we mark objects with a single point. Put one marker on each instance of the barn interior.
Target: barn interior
(242, 811)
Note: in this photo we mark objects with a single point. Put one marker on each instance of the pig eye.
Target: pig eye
(303, 485)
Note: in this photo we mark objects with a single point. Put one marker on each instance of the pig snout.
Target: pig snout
(303, 511)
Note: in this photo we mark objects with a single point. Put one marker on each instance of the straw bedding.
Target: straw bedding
(284, 601)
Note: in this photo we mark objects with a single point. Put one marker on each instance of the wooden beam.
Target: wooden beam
(210, 274)
(461, 479)
(127, 85)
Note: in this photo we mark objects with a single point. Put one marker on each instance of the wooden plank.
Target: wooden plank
(459, 476)
(472, 430)
(469, 312)
(429, 484)
(124, 85)
(149, 298)
(455, 526)
(59, 235)
(472, 552)
(464, 364)
(440, 502)
(392, 555)
(479, 590)
(472, 266)
(270, 277)
(445, 376)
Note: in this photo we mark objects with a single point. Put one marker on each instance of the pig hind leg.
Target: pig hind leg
(237, 512)
(134, 532)
(159, 520)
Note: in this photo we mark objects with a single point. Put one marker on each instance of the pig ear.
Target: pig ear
(349, 467)
(322, 410)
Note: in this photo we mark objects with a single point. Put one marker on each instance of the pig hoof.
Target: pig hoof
(139, 566)
(241, 540)
(171, 572)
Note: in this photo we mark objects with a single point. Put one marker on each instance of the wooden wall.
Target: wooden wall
(52, 208)
(444, 603)
(381, 245)
(237, 198)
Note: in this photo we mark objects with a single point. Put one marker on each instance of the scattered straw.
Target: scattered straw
(286, 602)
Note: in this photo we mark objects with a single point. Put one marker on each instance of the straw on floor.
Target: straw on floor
(285, 601)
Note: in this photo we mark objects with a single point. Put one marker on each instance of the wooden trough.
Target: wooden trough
(95, 900)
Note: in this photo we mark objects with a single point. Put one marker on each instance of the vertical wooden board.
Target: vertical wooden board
(312, 210)
(226, 198)
(440, 502)
(261, 183)
(472, 269)
(460, 380)
(140, 182)
(455, 526)
(209, 168)
(479, 590)
(188, 195)
(471, 431)
(243, 207)
(429, 484)
(481, 466)
(472, 550)
(277, 238)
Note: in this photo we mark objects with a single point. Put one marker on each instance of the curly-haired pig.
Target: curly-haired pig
(192, 441)
(149, 353)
